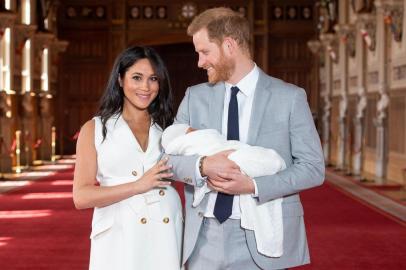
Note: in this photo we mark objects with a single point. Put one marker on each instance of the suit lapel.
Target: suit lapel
(261, 100)
(216, 106)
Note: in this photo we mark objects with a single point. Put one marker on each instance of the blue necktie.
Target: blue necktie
(224, 202)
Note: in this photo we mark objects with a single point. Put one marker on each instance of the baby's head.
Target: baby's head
(174, 131)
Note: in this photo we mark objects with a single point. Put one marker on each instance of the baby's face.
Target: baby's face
(190, 130)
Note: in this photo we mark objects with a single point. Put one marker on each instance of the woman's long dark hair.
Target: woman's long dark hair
(160, 109)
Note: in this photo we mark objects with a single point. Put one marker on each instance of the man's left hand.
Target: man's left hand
(237, 183)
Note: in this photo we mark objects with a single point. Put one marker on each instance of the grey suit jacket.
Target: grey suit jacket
(281, 120)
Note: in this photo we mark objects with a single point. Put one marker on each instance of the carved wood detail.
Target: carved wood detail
(397, 120)
(370, 114)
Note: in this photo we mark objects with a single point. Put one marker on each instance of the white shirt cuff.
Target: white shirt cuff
(197, 171)
(255, 195)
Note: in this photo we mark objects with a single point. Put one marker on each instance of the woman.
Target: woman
(137, 220)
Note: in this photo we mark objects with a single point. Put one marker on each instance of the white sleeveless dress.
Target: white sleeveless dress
(141, 232)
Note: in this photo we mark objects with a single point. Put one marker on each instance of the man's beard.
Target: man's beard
(223, 70)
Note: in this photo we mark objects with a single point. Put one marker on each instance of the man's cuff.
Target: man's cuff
(255, 195)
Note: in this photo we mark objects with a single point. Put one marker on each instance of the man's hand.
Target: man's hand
(219, 163)
(236, 183)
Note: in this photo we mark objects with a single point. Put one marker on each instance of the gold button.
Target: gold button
(143, 220)
(187, 180)
(161, 192)
(134, 173)
(166, 220)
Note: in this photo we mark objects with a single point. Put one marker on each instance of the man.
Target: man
(245, 104)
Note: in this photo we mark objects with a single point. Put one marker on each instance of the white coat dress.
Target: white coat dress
(144, 231)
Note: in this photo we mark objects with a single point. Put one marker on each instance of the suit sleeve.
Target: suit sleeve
(184, 167)
(307, 169)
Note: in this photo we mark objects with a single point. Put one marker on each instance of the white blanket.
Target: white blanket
(264, 219)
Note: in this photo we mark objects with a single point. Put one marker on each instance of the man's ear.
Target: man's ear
(229, 45)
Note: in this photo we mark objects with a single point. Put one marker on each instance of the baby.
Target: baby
(264, 219)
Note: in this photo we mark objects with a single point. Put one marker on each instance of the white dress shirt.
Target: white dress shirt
(245, 99)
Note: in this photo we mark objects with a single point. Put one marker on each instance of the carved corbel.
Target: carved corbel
(362, 6)
(346, 32)
(314, 46)
(367, 23)
(362, 102)
(393, 16)
(41, 40)
(7, 19)
(382, 105)
(329, 41)
(23, 32)
(58, 46)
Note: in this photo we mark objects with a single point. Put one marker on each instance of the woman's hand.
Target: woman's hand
(153, 178)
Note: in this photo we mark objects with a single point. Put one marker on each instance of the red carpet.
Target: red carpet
(40, 229)
(345, 234)
(55, 237)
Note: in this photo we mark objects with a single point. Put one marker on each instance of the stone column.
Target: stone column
(380, 120)
(45, 125)
(6, 128)
(329, 56)
(57, 47)
(342, 129)
(27, 117)
(41, 40)
(7, 98)
(365, 39)
(359, 132)
(29, 127)
(343, 31)
(381, 135)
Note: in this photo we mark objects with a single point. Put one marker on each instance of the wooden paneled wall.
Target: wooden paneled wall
(397, 134)
(334, 132)
(84, 67)
(370, 135)
(291, 25)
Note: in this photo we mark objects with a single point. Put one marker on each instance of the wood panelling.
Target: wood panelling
(82, 89)
(85, 66)
(370, 114)
(83, 49)
(369, 161)
(397, 136)
(290, 60)
(397, 124)
(351, 114)
(396, 165)
(260, 54)
(291, 25)
(334, 130)
(182, 73)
